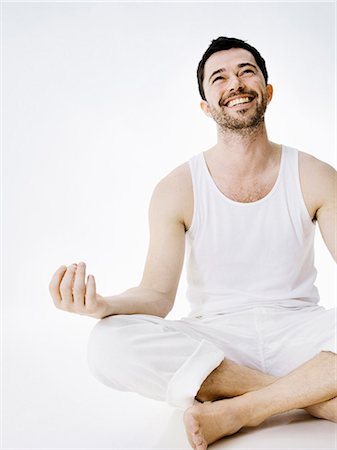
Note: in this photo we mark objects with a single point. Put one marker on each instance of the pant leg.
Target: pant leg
(161, 359)
(293, 337)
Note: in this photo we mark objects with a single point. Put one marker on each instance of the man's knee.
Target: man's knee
(123, 354)
(109, 350)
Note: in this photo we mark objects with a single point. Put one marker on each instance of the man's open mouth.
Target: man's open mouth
(238, 101)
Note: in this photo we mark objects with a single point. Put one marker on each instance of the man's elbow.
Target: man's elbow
(165, 306)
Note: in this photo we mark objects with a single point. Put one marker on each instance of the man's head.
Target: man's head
(234, 86)
(225, 43)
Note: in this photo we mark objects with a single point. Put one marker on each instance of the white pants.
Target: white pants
(168, 360)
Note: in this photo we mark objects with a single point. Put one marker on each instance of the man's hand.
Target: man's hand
(70, 292)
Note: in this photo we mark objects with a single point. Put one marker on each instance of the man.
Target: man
(247, 209)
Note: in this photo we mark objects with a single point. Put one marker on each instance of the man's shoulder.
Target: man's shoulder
(174, 194)
(310, 162)
(177, 179)
(314, 166)
(318, 179)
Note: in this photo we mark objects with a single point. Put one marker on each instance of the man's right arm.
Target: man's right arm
(156, 293)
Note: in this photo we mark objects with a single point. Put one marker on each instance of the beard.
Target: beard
(244, 121)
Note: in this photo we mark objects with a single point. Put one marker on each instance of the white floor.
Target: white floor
(50, 400)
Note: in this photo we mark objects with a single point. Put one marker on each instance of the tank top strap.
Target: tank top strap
(200, 191)
(292, 185)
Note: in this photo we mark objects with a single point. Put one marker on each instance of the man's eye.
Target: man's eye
(217, 78)
(248, 71)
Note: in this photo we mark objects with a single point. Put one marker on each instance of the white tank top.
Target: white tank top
(242, 255)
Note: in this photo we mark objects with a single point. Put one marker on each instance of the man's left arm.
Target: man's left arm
(326, 214)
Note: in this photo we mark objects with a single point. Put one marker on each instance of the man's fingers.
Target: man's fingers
(66, 286)
(90, 297)
(70, 292)
(54, 285)
(79, 286)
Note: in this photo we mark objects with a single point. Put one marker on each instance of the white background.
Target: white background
(100, 101)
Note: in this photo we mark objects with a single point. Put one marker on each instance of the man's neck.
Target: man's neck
(246, 154)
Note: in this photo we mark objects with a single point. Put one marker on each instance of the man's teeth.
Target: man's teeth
(237, 101)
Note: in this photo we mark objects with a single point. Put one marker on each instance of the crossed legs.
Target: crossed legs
(167, 360)
(247, 397)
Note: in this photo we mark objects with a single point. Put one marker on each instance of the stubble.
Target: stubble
(242, 122)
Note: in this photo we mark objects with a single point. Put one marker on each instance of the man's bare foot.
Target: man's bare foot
(208, 422)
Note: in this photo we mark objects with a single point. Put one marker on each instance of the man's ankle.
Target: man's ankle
(219, 386)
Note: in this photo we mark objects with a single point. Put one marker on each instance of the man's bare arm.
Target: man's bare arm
(326, 213)
(156, 293)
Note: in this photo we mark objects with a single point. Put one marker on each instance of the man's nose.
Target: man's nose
(234, 83)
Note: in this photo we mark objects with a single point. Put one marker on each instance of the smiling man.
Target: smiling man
(247, 210)
(247, 71)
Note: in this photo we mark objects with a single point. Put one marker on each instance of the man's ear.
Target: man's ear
(204, 106)
(269, 92)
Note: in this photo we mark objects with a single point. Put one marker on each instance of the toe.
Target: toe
(202, 446)
(193, 431)
(199, 441)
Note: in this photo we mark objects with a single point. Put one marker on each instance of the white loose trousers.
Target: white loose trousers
(168, 360)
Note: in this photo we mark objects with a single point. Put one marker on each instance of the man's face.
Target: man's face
(235, 90)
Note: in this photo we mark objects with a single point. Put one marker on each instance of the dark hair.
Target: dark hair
(225, 43)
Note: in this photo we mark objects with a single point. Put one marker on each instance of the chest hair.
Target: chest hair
(247, 191)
